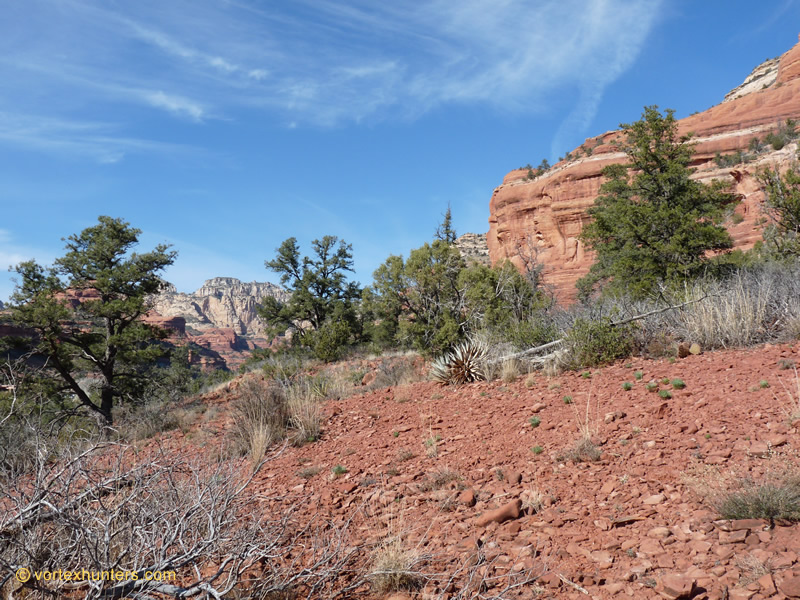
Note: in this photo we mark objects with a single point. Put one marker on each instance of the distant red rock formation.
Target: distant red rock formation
(549, 211)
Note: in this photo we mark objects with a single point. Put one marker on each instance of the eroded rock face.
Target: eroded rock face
(220, 303)
(549, 212)
(220, 317)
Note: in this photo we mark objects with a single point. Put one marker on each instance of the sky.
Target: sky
(223, 127)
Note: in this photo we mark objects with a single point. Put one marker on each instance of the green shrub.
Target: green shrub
(592, 343)
(330, 340)
(678, 384)
(627, 386)
(767, 500)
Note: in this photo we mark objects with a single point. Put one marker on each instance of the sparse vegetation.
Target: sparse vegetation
(260, 417)
(627, 386)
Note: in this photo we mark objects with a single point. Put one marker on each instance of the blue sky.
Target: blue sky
(224, 127)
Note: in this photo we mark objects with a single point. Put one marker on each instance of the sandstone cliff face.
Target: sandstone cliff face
(220, 303)
(549, 211)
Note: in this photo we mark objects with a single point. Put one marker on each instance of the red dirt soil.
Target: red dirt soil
(627, 526)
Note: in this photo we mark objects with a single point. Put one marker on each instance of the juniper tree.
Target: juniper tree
(87, 313)
(321, 301)
(653, 225)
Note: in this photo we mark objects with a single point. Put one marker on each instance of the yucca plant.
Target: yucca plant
(463, 364)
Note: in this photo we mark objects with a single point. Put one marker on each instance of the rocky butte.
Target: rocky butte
(547, 213)
(220, 316)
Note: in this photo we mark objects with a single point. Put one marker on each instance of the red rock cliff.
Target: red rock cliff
(549, 211)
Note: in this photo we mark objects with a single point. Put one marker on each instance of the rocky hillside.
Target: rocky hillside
(550, 210)
(220, 316)
(473, 248)
(492, 474)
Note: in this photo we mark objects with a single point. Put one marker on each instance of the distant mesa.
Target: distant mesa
(548, 212)
(221, 316)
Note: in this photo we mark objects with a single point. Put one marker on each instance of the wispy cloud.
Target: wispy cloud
(322, 63)
(175, 104)
(97, 141)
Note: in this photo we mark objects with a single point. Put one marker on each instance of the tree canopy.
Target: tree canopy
(86, 311)
(321, 303)
(653, 225)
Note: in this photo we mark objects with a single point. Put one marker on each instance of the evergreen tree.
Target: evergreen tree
(321, 301)
(445, 231)
(87, 309)
(782, 206)
(654, 226)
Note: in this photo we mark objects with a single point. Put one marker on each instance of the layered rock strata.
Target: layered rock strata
(548, 212)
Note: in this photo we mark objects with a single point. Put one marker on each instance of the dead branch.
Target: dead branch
(560, 341)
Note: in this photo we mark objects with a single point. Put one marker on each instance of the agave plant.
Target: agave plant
(463, 364)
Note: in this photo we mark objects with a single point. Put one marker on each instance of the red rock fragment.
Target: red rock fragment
(467, 497)
(500, 515)
(791, 587)
(676, 587)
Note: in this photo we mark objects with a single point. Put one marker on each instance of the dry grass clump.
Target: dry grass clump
(532, 500)
(792, 407)
(439, 479)
(752, 568)
(775, 496)
(584, 450)
(395, 567)
(779, 499)
(510, 370)
(260, 417)
(733, 316)
(305, 416)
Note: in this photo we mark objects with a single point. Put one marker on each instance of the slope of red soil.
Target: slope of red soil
(627, 526)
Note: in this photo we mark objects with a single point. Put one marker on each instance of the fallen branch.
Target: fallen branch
(557, 342)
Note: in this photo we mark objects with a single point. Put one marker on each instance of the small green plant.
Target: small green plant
(567, 399)
(338, 470)
(785, 364)
(707, 436)
(535, 421)
(665, 381)
(763, 384)
(666, 394)
(678, 384)
(638, 375)
(651, 386)
(586, 375)
(537, 449)
(627, 386)
(396, 433)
